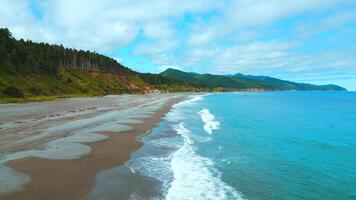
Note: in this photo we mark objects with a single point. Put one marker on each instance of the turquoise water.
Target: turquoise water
(280, 145)
(271, 145)
(288, 145)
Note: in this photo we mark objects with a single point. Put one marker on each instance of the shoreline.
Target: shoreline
(73, 179)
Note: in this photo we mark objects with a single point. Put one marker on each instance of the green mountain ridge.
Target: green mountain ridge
(244, 82)
(289, 85)
(31, 71)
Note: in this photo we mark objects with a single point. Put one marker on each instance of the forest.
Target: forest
(36, 71)
(31, 71)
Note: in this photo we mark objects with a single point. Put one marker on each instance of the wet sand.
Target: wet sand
(73, 179)
(21, 125)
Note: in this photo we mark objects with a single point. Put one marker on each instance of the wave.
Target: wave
(191, 100)
(173, 161)
(177, 114)
(210, 121)
(194, 176)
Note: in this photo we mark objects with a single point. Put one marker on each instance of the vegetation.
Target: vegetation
(242, 82)
(29, 57)
(278, 84)
(40, 71)
(32, 71)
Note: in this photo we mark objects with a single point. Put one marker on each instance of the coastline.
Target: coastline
(73, 179)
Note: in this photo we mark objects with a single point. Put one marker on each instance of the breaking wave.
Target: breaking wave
(210, 121)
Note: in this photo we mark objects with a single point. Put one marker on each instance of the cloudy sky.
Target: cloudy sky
(300, 40)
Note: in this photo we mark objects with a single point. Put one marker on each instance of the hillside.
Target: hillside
(279, 84)
(244, 82)
(40, 71)
(32, 71)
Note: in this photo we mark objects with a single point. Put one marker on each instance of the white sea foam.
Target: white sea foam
(210, 121)
(195, 176)
(190, 100)
(195, 98)
(11, 180)
(184, 174)
(155, 167)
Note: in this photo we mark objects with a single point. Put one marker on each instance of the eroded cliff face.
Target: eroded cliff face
(255, 90)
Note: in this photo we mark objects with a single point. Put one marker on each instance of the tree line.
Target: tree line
(20, 56)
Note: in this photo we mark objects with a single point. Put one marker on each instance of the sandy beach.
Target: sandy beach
(32, 148)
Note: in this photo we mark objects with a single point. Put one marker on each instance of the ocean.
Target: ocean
(244, 145)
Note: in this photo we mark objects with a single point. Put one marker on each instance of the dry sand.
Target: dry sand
(73, 179)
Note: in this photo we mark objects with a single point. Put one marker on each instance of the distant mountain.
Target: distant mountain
(244, 82)
(31, 71)
(288, 85)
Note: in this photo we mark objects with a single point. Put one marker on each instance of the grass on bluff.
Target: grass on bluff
(34, 99)
(67, 83)
(18, 88)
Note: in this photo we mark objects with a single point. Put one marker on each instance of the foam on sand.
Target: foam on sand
(11, 180)
(171, 161)
(71, 139)
(210, 121)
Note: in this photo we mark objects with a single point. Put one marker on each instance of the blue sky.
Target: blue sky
(310, 41)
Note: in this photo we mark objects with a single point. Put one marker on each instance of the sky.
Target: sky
(311, 41)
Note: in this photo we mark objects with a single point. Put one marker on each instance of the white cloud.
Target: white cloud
(156, 47)
(335, 21)
(17, 16)
(247, 13)
(158, 30)
(96, 25)
(150, 25)
(241, 15)
(274, 58)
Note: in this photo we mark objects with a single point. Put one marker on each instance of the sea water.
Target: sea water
(271, 145)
